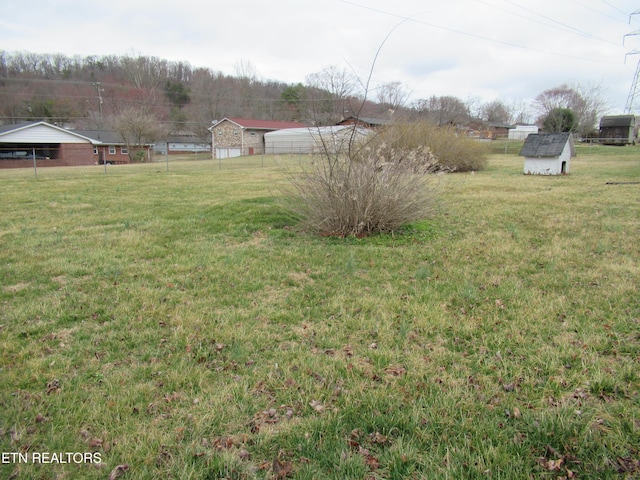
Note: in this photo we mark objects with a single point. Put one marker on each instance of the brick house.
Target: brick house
(233, 137)
(109, 147)
(51, 146)
(55, 146)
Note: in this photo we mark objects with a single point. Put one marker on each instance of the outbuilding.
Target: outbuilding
(548, 153)
(312, 139)
(618, 130)
(235, 137)
(521, 132)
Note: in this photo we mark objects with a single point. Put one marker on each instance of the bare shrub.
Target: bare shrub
(362, 193)
(454, 151)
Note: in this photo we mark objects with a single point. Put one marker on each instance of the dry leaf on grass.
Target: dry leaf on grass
(396, 370)
(317, 406)
(118, 471)
(281, 469)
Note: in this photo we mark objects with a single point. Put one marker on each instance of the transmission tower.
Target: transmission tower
(634, 91)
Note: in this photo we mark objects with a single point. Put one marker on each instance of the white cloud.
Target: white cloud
(509, 49)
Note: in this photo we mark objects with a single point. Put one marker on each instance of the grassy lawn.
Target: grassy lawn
(179, 324)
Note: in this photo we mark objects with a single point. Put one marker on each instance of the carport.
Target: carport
(49, 145)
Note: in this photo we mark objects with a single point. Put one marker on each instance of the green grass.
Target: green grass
(179, 323)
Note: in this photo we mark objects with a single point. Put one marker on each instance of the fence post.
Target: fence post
(35, 168)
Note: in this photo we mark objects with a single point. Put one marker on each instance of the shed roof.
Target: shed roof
(618, 121)
(547, 145)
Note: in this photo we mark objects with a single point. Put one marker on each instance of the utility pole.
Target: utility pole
(99, 90)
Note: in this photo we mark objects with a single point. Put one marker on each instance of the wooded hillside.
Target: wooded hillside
(85, 92)
(90, 92)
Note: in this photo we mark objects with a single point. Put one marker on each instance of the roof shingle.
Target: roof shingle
(546, 145)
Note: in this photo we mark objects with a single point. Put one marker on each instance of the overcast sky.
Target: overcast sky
(485, 49)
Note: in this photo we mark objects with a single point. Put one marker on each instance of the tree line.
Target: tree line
(90, 92)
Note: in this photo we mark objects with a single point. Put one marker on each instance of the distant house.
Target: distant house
(618, 130)
(499, 130)
(233, 137)
(548, 153)
(56, 146)
(182, 143)
(365, 122)
(312, 139)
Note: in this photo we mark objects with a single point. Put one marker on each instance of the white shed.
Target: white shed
(521, 132)
(548, 153)
(311, 139)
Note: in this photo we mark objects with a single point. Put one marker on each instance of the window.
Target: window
(124, 150)
(95, 150)
(112, 150)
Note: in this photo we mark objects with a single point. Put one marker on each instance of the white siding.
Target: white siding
(521, 132)
(43, 134)
(549, 165)
(310, 140)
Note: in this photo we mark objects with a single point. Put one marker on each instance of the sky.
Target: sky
(480, 50)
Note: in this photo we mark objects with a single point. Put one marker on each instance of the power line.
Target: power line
(569, 27)
(599, 12)
(477, 36)
(560, 26)
(614, 7)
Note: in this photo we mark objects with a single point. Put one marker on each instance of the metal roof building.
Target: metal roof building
(312, 139)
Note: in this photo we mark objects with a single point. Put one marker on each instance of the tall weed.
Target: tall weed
(454, 151)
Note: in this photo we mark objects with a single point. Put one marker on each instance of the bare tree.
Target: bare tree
(521, 113)
(496, 111)
(136, 128)
(442, 110)
(590, 109)
(586, 103)
(329, 92)
(392, 96)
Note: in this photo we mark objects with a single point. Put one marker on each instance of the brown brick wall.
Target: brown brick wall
(76, 154)
(117, 157)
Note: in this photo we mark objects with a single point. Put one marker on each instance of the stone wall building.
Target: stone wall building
(235, 137)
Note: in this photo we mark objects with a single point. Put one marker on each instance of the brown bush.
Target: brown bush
(371, 191)
(454, 151)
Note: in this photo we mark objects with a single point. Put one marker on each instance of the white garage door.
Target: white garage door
(227, 152)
